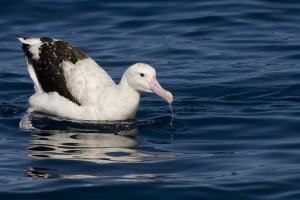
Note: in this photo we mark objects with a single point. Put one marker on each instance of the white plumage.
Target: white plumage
(70, 84)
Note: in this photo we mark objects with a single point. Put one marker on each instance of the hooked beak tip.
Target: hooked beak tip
(157, 89)
(169, 97)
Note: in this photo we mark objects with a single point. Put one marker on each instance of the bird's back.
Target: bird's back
(58, 66)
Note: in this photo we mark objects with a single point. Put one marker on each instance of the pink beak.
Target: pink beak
(157, 89)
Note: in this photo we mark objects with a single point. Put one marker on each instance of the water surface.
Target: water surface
(232, 67)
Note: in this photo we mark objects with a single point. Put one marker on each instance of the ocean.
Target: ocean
(232, 67)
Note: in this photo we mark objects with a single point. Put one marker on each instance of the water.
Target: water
(232, 67)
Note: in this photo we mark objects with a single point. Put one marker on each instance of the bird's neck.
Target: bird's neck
(128, 99)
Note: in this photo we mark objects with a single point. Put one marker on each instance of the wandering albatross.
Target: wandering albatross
(68, 83)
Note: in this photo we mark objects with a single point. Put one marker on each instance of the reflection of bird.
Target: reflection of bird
(96, 147)
(103, 142)
(98, 142)
(69, 83)
(49, 173)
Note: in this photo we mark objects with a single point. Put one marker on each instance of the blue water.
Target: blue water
(232, 66)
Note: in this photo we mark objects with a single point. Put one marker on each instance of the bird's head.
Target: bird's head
(142, 78)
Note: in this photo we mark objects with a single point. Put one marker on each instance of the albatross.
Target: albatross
(68, 83)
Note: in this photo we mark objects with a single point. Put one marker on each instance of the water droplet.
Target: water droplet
(172, 114)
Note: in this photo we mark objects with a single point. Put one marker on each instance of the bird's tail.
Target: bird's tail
(29, 40)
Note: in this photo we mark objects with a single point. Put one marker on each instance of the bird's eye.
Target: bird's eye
(142, 74)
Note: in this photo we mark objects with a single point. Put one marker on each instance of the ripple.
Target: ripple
(9, 110)
(232, 66)
(163, 123)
